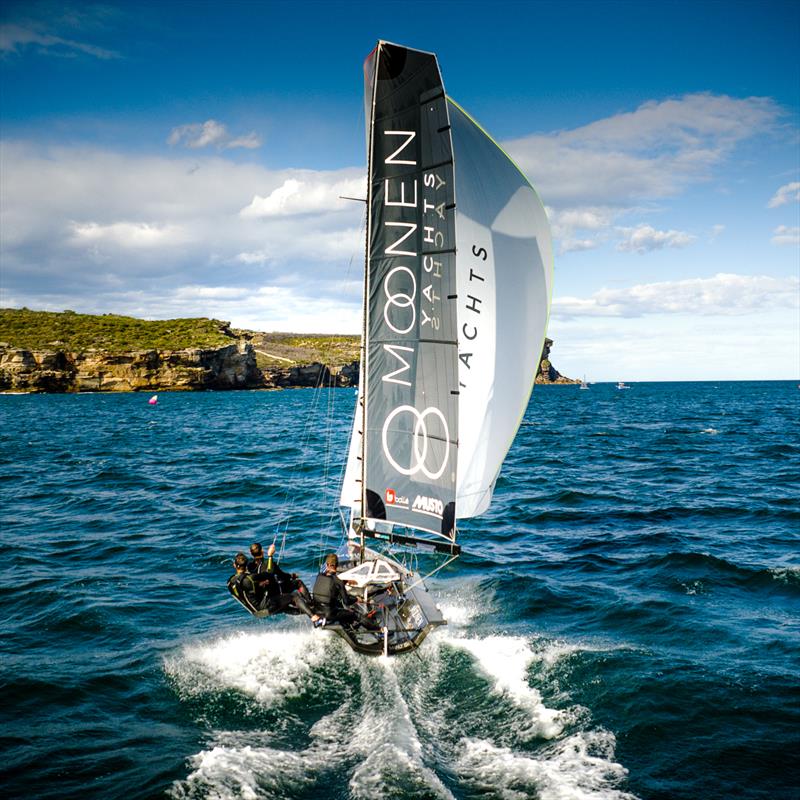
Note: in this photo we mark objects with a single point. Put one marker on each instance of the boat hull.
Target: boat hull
(402, 613)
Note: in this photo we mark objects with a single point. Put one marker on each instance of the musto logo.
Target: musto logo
(430, 505)
(426, 427)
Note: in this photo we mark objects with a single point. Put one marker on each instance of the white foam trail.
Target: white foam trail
(376, 737)
(263, 665)
(462, 606)
(579, 767)
(387, 743)
(244, 773)
(550, 653)
(391, 733)
(505, 659)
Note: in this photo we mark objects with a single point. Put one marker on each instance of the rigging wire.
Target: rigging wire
(310, 426)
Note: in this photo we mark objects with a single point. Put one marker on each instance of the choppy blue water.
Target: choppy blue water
(625, 622)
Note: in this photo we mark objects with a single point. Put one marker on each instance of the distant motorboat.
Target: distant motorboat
(622, 385)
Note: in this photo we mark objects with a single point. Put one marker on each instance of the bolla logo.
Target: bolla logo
(390, 496)
(430, 505)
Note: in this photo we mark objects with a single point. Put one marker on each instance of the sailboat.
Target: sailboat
(584, 385)
(457, 287)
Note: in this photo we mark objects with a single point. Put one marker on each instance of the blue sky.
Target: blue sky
(186, 158)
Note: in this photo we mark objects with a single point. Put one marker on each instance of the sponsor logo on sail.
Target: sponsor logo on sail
(421, 445)
(429, 505)
(394, 499)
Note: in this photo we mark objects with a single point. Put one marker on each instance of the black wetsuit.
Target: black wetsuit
(331, 599)
(243, 588)
(276, 590)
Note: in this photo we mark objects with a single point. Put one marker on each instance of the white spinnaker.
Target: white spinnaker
(505, 276)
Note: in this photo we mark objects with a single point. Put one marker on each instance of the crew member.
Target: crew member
(277, 590)
(242, 586)
(330, 596)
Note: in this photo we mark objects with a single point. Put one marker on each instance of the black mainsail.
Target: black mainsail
(410, 415)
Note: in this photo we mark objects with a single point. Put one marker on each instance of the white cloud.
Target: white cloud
(308, 193)
(90, 227)
(128, 234)
(250, 141)
(784, 234)
(197, 135)
(645, 238)
(786, 194)
(580, 228)
(716, 231)
(651, 152)
(14, 39)
(762, 345)
(723, 294)
(577, 245)
(258, 307)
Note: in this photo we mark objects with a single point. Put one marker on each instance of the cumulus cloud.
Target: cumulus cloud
(568, 245)
(16, 39)
(760, 346)
(96, 230)
(307, 194)
(645, 238)
(723, 294)
(581, 227)
(197, 135)
(128, 234)
(124, 232)
(652, 152)
(784, 234)
(786, 194)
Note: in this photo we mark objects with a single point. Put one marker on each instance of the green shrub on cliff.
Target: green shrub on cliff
(276, 349)
(46, 330)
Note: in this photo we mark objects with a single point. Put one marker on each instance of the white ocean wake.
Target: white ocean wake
(406, 727)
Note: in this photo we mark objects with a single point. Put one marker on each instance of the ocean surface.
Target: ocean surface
(624, 622)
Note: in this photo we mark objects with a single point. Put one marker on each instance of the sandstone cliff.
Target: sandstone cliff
(230, 367)
(57, 352)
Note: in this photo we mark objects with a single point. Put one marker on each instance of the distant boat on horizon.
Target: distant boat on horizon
(622, 385)
(584, 385)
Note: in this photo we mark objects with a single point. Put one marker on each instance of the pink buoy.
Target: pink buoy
(153, 400)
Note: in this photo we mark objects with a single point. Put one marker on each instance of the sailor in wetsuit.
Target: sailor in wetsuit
(242, 586)
(276, 590)
(330, 596)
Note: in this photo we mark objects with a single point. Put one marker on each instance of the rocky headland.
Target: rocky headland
(51, 353)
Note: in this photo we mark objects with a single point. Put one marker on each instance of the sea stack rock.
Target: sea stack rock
(547, 372)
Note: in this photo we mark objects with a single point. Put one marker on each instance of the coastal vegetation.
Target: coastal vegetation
(274, 349)
(76, 333)
(66, 330)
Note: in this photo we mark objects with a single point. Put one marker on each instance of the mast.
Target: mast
(370, 72)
